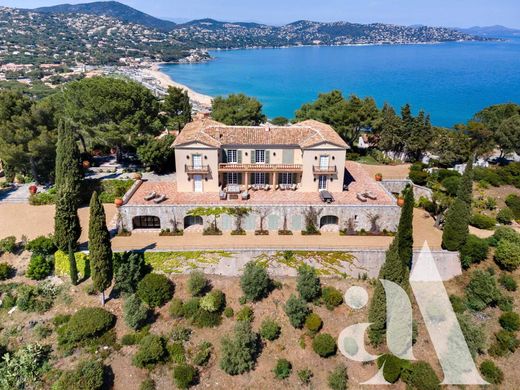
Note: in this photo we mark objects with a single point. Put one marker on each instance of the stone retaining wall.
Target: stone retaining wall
(396, 186)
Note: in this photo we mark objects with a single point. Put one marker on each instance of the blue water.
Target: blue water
(450, 81)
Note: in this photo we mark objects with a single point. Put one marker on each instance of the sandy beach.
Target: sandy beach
(166, 81)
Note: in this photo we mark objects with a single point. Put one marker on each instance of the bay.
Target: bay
(450, 81)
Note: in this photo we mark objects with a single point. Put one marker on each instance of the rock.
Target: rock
(12, 310)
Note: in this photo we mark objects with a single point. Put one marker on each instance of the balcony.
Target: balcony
(197, 170)
(329, 170)
(230, 167)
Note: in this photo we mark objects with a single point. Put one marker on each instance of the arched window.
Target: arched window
(329, 220)
(146, 222)
(191, 220)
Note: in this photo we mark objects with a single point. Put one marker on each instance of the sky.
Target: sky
(450, 13)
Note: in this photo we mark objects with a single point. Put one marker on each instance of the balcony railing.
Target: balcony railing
(230, 167)
(319, 170)
(197, 170)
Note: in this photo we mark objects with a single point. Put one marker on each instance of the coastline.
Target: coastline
(199, 100)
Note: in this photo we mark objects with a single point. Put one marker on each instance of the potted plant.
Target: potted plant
(33, 189)
(379, 176)
(118, 202)
(137, 176)
(86, 164)
(400, 201)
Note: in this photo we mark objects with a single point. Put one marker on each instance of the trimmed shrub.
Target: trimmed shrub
(214, 301)
(177, 352)
(482, 291)
(8, 245)
(229, 312)
(197, 283)
(324, 345)
(473, 334)
(297, 311)
(62, 264)
(510, 321)
(308, 283)
(152, 350)
(255, 282)
(245, 314)
(505, 216)
(135, 312)
(505, 343)
(239, 351)
(420, 376)
(6, 271)
(176, 308)
(42, 245)
(88, 375)
(451, 184)
(393, 367)
(60, 319)
(338, 378)
(482, 221)
(129, 269)
(270, 329)
(491, 372)
(473, 251)
(85, 324)
(507, 255)
(283, 369)
(313, 323)
(458, 304)
(505, 233)
(190, 308)
(35, 298)
(181, 333)
(332, 297)
(508, 282)
(513, 202)
(418, 177)
(40, 267)
(184, 376)
(206, 319)
(155, 290)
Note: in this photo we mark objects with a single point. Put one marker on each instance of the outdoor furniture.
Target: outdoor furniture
(150, 196)
(361, 197)
(245, 195)
(345, 187)
(233, 189)
(326, 197)
(223, 195)
(370, 195)
(159, 199)
(294, 187)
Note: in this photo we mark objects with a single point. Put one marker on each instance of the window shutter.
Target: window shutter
(239, 177)
(253, 156)
(239, 156)
(267, 156)
(224, 156)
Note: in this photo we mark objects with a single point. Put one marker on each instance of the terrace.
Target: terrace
(358, 181)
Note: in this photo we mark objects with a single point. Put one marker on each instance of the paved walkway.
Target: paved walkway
(17, 194)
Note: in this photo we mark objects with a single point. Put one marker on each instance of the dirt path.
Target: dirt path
(33, 221)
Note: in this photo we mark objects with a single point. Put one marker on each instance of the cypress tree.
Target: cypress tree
(405, 229)
(73, 266)
(395, 271)
(100, 249)
(456, 228)
(67, 228)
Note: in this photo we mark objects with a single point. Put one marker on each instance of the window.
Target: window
(324, 162)
(232, 178)
(232, 156)
(259, 178)
(146, 222)
(260, 156)
(286, 178)
(322, 184)
(197, 161)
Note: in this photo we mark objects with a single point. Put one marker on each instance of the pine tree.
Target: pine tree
(405, 229)
(67, 228)
(73, 266)
(392, 270)
(456, 228)
(100, 250)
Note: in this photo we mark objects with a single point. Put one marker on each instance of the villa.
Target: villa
(279, 172)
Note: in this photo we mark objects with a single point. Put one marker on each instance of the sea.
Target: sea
(449, 81)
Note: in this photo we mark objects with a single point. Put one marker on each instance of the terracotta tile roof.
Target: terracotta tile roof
(304, 134)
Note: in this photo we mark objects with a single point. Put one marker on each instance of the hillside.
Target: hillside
(113, 9)
(491, 31)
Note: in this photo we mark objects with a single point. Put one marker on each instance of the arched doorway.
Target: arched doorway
(192, 220)
(329, 220)
(146, 222)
